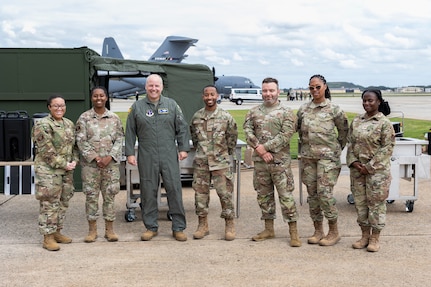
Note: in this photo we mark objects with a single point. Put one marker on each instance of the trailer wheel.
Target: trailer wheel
(130, 216)
(409, 205)
(350, 199)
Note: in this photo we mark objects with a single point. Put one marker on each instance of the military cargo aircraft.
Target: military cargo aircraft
(172, 50)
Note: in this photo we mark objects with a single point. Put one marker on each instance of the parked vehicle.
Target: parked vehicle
(238, 96)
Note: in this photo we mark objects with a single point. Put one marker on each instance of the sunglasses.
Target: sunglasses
(315, 88)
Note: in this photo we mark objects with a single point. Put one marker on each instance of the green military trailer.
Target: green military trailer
(28, 76)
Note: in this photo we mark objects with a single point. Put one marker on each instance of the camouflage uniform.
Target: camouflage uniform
(273, 127)
(100, 135)
(322, 131)
(214, 134)
(371, 142)
(55, 142)
(161, 131)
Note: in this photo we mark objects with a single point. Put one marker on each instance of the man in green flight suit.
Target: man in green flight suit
(163, 138)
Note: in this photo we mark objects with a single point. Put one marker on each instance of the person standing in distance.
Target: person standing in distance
(54, 163)
(322, 128)
(214, 134)
(268, 129)
(371, 141)
(99, 136)
(158, 124)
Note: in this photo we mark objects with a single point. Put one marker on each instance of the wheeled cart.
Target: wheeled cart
(409, 164)
(132, 178)
(186, 167)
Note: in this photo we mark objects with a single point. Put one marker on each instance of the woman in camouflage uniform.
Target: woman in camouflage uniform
(56, 158)
(99, 136)
(371, 142)
(322, 128)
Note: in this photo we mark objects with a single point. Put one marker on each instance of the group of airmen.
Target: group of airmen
(157, 124)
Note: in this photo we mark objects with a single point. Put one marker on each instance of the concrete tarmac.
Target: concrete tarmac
(403, 260)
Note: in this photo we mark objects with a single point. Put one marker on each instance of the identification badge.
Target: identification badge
(163, 111)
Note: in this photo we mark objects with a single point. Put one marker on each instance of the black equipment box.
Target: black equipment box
(16, 136)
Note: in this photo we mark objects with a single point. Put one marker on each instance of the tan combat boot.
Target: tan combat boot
(332, 236)
(294, 237)
(109, 231)
(49, 243)
(92, 231)
(148, 235)
(373, 244)
(229, 232)
(202, 229)
(60, 238)
(179, 235)
(267, 233)
(318, 233)
(363, 242)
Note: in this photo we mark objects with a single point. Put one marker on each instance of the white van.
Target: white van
(238, 96)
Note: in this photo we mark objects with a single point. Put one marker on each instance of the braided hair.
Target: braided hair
(322, 78)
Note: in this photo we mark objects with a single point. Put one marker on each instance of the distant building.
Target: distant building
(410, 90)
(345, 91)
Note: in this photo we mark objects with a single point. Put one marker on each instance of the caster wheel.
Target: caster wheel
(169, 216)
(350, 199)
(390, 201)
(409, 205)
(129, 216)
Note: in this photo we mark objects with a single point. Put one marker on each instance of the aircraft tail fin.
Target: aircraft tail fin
(111, 49)
(173, 49)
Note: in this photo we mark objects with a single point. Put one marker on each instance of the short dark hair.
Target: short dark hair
(49, 100)
(209, 86)
(270, 80)
(101, 88)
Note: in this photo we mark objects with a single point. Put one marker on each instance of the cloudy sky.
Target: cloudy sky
(366, 42)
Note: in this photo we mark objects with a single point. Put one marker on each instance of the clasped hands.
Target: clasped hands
(360, 167)
(70, 166)
(263, 153)
(103, 162)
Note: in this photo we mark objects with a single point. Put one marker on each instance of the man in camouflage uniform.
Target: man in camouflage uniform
(214, 134)
(269, 128)
(322, 128)
(371, 142)
(55, 160)
(99, 136)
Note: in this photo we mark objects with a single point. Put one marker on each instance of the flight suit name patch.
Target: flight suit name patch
(163, 111)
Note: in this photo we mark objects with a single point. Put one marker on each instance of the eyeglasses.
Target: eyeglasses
(58, 106)
(315, 88)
